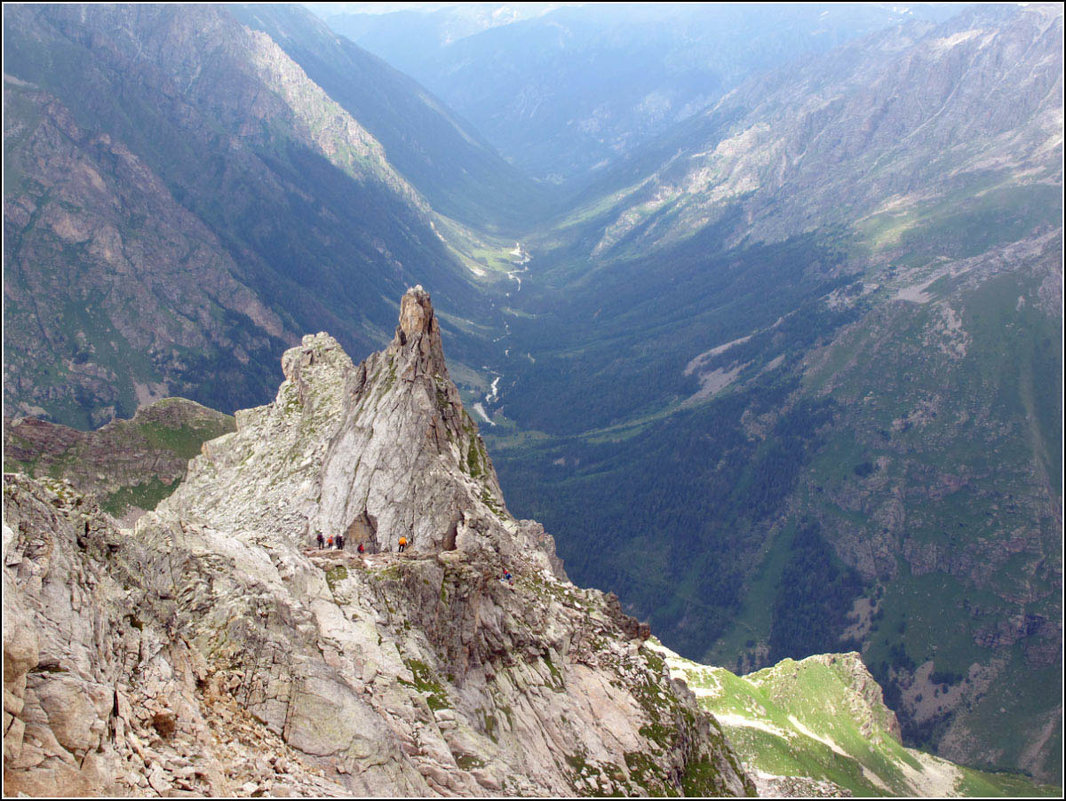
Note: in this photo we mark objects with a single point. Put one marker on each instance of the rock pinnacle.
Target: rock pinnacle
(418, 331)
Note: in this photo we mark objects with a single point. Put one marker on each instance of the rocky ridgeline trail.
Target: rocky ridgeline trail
(214, 650)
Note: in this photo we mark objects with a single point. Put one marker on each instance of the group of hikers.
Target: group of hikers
(337, 543)
(332, 542)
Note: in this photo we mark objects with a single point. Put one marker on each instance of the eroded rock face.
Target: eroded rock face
(215, 650)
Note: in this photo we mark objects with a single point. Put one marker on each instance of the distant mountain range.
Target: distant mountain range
(563, 90)
(784, 371)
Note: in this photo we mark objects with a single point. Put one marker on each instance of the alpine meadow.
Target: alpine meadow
(544, 399)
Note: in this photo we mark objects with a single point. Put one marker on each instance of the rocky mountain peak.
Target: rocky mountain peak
(226, 654)
(417, 341)
(416, 316)
(381, 451)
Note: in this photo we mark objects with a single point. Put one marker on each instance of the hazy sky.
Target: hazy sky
(326, 9)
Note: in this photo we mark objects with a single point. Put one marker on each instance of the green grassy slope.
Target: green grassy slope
(823, 719)
(127, 465)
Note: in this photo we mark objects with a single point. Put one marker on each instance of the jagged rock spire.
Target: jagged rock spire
(467, 665)
(416, 315)
(419, 332)
(380, 450)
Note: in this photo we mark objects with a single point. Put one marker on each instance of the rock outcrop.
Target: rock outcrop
(215, 650)
(128, 466)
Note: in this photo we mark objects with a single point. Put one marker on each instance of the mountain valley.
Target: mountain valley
(851, 401)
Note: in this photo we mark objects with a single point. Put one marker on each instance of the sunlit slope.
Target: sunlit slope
(460, 175)
(822, 719)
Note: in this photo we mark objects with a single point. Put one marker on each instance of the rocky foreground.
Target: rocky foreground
(213, 650)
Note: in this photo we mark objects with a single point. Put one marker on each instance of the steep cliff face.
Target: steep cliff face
(220, 652)
(181, 202)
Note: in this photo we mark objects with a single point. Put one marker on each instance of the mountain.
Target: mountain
(458, 173)
(126, 466)
(796, 370)
(214, 650)
(820, 727)
(929, 127)
(181, 200)
(564, 91)
(787, 379)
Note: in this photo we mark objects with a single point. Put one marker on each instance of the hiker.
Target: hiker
(340, 542)
(403, 544)
(329, 542)
(361, 548)
(321, 540)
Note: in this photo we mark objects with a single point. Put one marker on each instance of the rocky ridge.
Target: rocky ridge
(212, 650)
(127, 466)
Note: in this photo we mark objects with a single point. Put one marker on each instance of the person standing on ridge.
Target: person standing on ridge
(340, 542)
(403, 544)
(329, 542)
(321, 540)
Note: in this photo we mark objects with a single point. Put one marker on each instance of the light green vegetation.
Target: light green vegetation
(468, 762)
(985, 211)
(595, 208)
(184, 440)
(335, 575)
(486, 256)
(146, 495)
(819, 718)
(427, 682)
